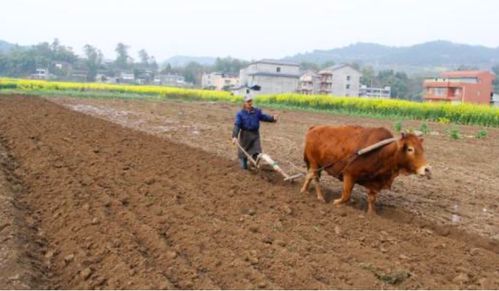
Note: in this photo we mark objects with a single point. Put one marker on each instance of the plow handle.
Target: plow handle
(250, 158)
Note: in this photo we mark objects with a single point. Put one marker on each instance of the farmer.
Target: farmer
(246, 127)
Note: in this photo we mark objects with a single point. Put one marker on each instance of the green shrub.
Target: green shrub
(424, 128)
(482, 133)
(398, 126)
(454, 133)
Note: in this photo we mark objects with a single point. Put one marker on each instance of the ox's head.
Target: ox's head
(411, 155)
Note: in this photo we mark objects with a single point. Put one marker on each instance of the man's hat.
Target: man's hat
(247, 98)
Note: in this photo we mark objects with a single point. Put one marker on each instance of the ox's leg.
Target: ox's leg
(347, 190)
(371, 199)
(308, 179)
(318, 189)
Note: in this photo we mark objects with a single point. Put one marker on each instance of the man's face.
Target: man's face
(248, 104)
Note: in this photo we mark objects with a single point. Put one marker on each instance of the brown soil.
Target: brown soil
(20, 266)
(119, 208)
(463, 192)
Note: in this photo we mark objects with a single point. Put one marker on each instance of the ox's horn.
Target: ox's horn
(418, 133)
(377, 145)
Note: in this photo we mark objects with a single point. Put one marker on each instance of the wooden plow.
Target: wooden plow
(266, 159)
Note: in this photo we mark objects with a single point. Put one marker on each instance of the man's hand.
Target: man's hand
(276, 117)
(234, 140)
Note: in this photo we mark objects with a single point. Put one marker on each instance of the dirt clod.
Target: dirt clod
(461, 278)
(288, 210)
(475, 251)
(69, 258)
(171, 255)
(86, 273)
(280, 243)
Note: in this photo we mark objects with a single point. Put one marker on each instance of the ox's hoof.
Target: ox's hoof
(321, 199)
(337, 202)
(371, 211)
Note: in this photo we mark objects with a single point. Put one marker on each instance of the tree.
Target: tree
(23, 61)
(192, 72)
(92, 62)
(415, 88)
(398, 81)
(229, 65)
(121, 61)
(467, 68)
(153, 65)
(327, 64)
(20, 62)
(144, 57)
(401, 85)
(167, 69)
(305, 66)
(56, 53)
(368, 77)
(4, 64)
(55, 45)
(355, 66)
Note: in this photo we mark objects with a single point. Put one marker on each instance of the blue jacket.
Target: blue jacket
(250, 120)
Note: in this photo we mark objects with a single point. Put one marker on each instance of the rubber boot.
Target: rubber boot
(243, 163)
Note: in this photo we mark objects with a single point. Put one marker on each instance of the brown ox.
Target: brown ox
(334, 150)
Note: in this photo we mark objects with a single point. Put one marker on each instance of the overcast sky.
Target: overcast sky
(246, 29)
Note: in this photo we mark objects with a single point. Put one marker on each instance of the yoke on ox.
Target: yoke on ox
(346, 153)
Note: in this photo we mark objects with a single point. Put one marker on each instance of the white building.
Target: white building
(374, 92)
(41, 74)
(174, 80)
(219, 81)
(494, 100)
(309, 83)
(340, 80)
(126, 78)
(272, 76)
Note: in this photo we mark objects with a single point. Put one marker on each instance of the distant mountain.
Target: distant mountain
(430, 54)
(6, 46)
(180, 61)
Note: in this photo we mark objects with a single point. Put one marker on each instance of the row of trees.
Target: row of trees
(402, 87)
(22, 61)
(61, 61)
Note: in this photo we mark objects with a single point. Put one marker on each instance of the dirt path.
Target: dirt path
(119, 208)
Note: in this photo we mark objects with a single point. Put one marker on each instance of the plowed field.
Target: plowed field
(98, 204)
